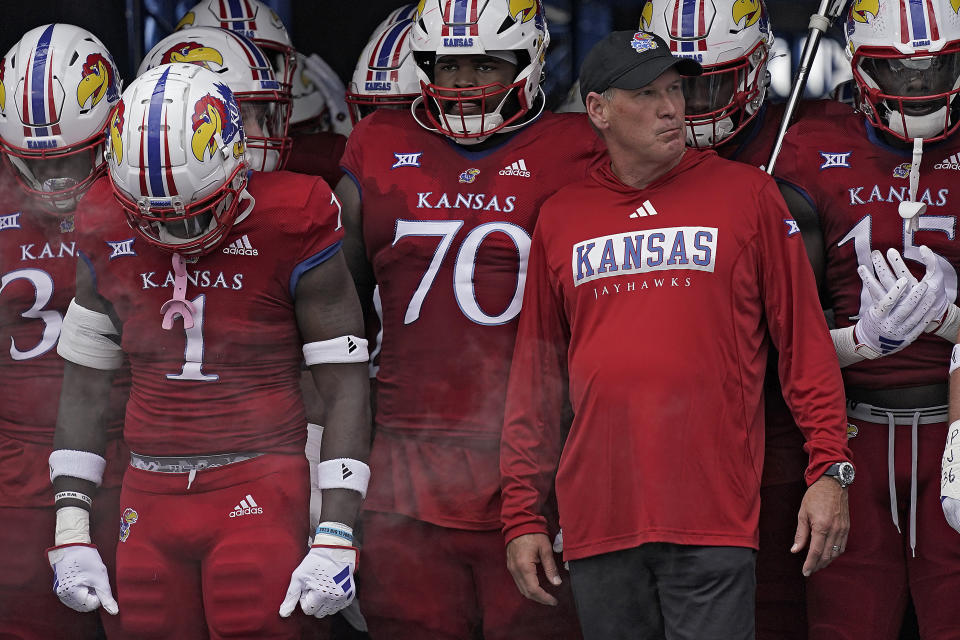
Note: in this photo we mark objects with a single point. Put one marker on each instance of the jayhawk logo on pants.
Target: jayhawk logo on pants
(211, 117)
(126, 521)
(98, 81)
(194, 53)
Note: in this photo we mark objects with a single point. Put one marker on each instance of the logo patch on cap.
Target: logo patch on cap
(643, 42)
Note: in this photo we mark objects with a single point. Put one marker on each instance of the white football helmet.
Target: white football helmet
(386, 74)
(906, 63)
(247, 71)
(255, 20)
(400, 14)
(175, 157)
(732, 40)
(475, 27)
(57, 87)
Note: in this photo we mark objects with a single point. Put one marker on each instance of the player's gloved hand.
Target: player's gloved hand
(81, 580)
(899, 313)
(323, 583)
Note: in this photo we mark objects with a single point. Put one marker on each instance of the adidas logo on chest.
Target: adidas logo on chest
(240, 247)
(518, 168)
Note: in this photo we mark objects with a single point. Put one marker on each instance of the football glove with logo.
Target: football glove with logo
(81, 580)
(323, 583)
(901, 309)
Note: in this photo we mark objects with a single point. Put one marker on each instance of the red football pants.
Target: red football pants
(213, 560)
(420, 581)
(862, 595)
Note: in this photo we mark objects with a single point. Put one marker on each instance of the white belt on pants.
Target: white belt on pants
(893, 417)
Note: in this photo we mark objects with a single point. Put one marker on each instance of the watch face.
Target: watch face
(845, 473)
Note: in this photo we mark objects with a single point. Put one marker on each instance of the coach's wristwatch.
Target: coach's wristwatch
(842, 472)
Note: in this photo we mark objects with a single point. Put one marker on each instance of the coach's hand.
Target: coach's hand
(823, 522)
(524, 553)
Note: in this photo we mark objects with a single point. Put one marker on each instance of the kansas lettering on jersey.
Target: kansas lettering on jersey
(857, 202)
(662, 353)
(229, 383)
(447, 232)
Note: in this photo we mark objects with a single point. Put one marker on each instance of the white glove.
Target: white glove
(951, 510)
(900, 311)
(323, 583)
(81, 580)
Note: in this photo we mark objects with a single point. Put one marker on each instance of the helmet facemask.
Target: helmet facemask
(910, 96)
(58, 178)
(265, 122)
(190, 230)
(725, 98)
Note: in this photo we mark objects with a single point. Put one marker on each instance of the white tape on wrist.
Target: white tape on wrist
(344, 473)
(73, 526)
(848, 352)
(950, 465)
(950, 326)
(77, 464)
(336, 350)
(312, 450)
(84, 339)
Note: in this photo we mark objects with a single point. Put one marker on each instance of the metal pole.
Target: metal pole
(819, 22)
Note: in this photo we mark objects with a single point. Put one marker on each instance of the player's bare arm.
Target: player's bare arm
(327, 308)
(354, 249)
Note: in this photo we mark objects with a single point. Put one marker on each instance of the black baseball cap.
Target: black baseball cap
(630, 60)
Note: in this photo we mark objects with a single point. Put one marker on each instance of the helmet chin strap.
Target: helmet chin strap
(926, 126)
(707, 135)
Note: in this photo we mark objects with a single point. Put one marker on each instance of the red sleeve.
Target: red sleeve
(536, 415)
(808, 367)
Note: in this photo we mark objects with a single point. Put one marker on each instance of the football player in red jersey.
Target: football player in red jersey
(224, 282)
(57, 85)
(658, 476)
(877, 184)
(440, 215)
(726, 110)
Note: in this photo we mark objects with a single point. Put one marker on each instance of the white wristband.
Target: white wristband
(950, 465)
(954, 359)
(344, 473)
(73, 526)
(333, 534)
(77, 464)
(336, 350)
(950, 326)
